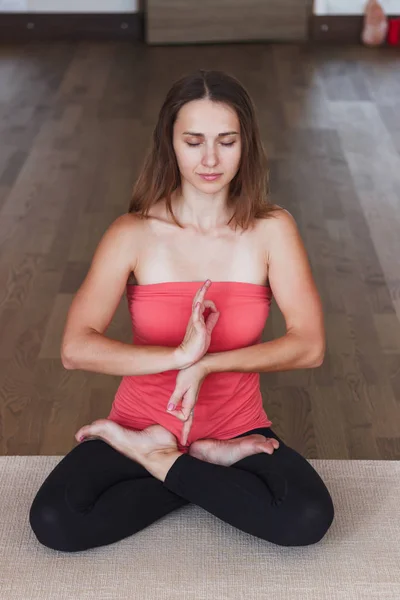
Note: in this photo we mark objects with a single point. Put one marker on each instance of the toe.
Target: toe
(267, 447)
(95, 428)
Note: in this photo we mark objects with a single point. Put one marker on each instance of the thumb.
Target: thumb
(174, 399)
(188, 404)
(212, 321)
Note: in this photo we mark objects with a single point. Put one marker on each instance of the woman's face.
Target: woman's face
(206, 140)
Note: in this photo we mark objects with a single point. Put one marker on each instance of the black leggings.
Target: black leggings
(97, 496)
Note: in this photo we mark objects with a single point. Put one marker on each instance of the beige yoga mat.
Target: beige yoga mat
(190, 554)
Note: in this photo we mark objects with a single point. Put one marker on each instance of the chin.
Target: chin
(211, 184)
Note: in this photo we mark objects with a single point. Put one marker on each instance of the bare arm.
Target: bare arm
(84, 345)
(95, 352)
(292, 283)
(282, 354)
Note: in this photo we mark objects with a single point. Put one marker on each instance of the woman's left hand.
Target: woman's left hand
(187, 387)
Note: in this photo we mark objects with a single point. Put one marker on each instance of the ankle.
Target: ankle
(159, 462)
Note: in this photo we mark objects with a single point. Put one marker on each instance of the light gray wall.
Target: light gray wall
(352, 7)
(74, 6)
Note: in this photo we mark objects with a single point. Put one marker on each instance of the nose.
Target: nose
(210, 157)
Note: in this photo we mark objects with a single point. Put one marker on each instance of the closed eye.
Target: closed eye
(230, 144)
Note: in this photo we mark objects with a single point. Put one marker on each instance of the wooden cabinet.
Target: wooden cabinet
(190, 21)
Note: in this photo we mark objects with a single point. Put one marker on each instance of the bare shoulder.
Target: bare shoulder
(127, 221)
(278, 219)
(277, 227)
(126, 231)
(129, 225)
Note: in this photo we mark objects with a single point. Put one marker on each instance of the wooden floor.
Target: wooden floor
(74, 121)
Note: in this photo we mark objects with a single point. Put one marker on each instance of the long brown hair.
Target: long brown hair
(160, 176)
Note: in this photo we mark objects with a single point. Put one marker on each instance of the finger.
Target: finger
(202, 292)
(176, 413)
(173, 402)
(188, 403)
(212, 321)
(198, 319)
(175, 398)
(199, 308)
(186, 430)
(184, 434)
(210, 304)
(197, 312)
(179, 413)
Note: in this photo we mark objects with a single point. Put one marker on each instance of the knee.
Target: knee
(314, 520)
(318, 518)
(309, 525)
(46, 523)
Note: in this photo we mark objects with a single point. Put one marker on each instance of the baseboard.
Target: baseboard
(51, 26)
(337, 28)
(131, 26)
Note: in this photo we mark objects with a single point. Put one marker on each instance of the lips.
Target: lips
(210, 177)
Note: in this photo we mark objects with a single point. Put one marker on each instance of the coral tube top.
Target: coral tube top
(229, 403)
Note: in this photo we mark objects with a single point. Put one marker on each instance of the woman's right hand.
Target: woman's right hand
(198, 332)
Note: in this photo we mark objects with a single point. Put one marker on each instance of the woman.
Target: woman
(199, 209)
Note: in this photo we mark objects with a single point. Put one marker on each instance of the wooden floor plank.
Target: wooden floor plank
(75, 119)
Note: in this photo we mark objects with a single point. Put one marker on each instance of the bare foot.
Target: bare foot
(133, 443)
(375, 24)
(227, 452)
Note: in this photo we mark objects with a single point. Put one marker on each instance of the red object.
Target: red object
(229, 403)
(393, 35)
